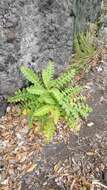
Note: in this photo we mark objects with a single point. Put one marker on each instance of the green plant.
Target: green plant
(48, 99)
(85, 50)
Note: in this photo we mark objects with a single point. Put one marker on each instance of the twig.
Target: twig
(72, 185)
(96, 182)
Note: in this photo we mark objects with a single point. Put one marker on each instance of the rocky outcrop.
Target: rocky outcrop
(103, 29)
(86, 11)
(35, 31)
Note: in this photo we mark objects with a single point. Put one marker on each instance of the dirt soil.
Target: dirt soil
(73, 161)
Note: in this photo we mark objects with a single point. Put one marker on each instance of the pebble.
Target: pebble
(8, 109)
(99, 69)
(90, 124)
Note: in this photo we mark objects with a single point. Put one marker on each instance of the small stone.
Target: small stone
(102, 99)
(8, 109)
(90, 124)
(19, 136)
(99, 69)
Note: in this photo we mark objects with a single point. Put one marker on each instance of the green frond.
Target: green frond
(42, 111)
(77, 46)
(37, 90)
(47, 99)
(49, 130)
(65, 105)
(72, 123)
(56, 94)
(65, 78)
(83, 44)
(72, 91)
(86, 44)
(84, 109)
(30, 75)
(46, 103)
(19, 96)
(30, 119)
(47, 75)
(55, 114)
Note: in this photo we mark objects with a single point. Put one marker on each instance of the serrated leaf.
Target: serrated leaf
(65, 78)
(55, 114)
(30, 75)
(47, 75)
(57, 94)
(77, 46)
(47, 99)
(42, 111)
(49, 130)
(36, 90)
(71, 91)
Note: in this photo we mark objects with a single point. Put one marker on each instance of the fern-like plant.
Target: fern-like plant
(85, 50)
(48, 99)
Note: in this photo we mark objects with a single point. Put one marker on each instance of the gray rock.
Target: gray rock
(36, 31)
(105, 21)
(86, 11)
(3, 106)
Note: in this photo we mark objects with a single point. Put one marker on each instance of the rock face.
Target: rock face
(103, 29)
(35, 31)
(86, 11)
